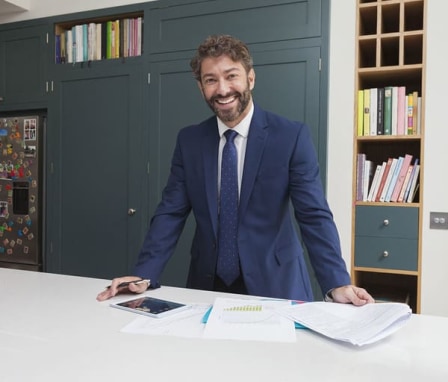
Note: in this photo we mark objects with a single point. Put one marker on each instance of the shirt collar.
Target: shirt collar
(242, 128)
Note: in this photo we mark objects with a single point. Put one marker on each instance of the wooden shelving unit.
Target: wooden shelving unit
(386, 243)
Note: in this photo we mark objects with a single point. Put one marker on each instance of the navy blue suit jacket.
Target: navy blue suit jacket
(280, 170)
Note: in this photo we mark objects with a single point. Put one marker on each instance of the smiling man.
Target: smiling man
(238, 172)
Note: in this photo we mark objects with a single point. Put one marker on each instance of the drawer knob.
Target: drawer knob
(386, 222)
(385, 254)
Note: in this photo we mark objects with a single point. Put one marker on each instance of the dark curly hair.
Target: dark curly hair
(218, 45)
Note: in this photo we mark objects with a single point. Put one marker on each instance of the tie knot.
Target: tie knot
(230, 135)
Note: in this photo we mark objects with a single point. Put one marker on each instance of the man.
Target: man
(275, 165)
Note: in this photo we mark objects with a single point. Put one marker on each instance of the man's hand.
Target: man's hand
(123, 284)
(350, 294)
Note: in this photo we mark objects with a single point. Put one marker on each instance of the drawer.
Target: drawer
(387, 221)
(402, 254)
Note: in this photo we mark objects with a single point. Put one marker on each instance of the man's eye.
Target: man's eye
(209, 81)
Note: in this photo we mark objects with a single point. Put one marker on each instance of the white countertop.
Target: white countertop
(53, 329)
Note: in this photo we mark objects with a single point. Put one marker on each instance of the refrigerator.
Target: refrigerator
(21, 219)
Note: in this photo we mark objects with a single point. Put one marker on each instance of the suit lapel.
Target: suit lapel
(254, 150)
(210, 160)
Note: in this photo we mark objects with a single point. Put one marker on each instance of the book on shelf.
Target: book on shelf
(411, 190)
(385, 174)
(394, 111)
(366, 126)
(375, 182)
(414, 192)
(360, 164)
(380, 112)
(401, 110)
(69, 50)
(58, 50)
(367, 177)
(419, 119)
(415, 112)
(388, 110)
(388, 179)
(360, 111)
(373, 110)
(117, 39)
(410, 103)
(98, 42)
(405, 184)
(401, 177)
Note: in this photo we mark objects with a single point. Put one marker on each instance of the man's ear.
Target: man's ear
(251, 78)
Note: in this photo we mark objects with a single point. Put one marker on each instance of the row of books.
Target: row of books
(99, 41)
(388, 111)
(393, 181)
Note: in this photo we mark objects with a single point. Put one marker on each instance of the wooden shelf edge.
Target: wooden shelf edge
(388, 271)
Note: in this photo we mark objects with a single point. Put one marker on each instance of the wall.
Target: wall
(435, 248)
(341, 113)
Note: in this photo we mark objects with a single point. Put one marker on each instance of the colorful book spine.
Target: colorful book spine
(360, 114)
(388, 110)
(380, 112)
(405, 184)
(394, 114)
(410, 119)
(375, 181)
(414, 185)
(373, 110)
(383, 180)
(366, 128)
(360, 163)
(401, 110)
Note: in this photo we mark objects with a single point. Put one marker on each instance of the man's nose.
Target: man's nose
(223, 87)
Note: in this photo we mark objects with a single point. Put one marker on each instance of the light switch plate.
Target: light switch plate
(438, 220)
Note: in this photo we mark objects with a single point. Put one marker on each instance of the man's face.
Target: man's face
(227, 87)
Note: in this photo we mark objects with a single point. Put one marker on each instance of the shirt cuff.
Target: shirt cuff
(328, 296)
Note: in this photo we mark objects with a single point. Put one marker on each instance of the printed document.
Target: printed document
(257, 320)
(358, 325)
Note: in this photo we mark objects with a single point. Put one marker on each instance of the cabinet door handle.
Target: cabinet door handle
(386, 222)
(385, 254)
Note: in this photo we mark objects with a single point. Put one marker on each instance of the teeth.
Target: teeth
(224, 102)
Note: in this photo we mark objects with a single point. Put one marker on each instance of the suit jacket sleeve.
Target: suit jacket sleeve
(314, 216)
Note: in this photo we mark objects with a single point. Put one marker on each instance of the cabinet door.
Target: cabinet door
(96, 190)
(23, 57)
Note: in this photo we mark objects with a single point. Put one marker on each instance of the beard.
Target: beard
(233, 114)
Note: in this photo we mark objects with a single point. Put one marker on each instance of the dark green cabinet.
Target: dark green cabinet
(112, 124)
(97, 186)
(23, 61)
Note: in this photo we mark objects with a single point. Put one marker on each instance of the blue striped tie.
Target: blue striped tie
(228, 268)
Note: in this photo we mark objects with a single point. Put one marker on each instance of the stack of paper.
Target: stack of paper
(345, 322)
